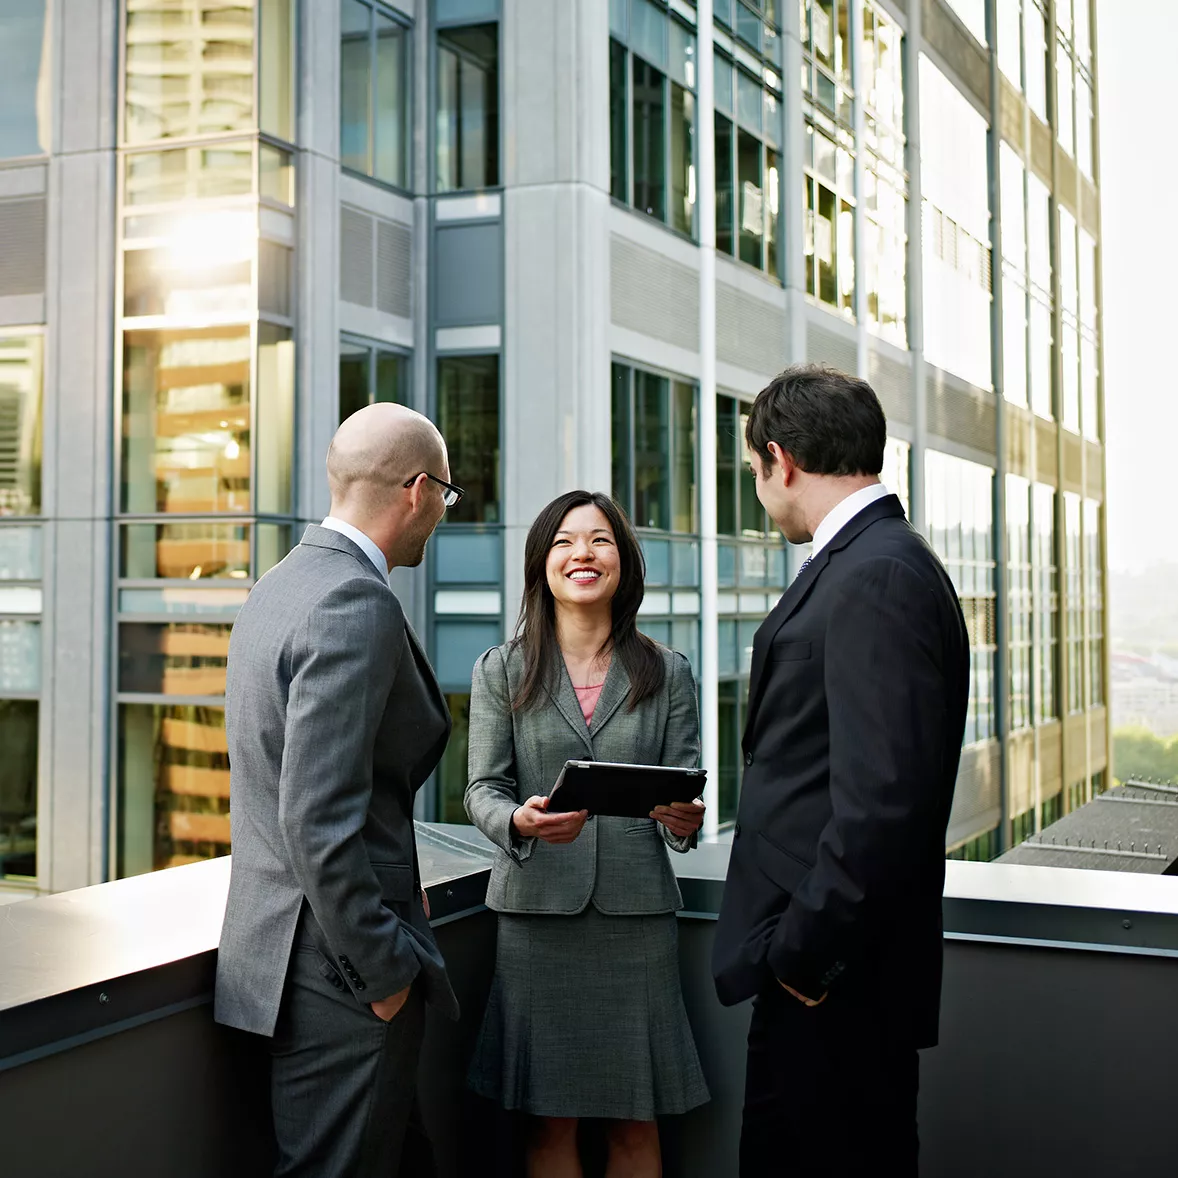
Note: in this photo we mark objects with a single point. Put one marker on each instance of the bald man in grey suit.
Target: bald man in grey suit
(334, 720)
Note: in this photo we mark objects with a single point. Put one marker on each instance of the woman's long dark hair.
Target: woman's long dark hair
(535, 633)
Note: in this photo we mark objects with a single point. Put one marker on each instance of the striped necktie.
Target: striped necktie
(805, 565)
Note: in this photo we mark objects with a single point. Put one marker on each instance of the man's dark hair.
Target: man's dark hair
(826, 421)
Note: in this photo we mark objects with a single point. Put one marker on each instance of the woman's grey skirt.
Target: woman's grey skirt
(586, 1019)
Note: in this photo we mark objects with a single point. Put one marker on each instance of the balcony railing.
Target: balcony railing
(1058, 1022)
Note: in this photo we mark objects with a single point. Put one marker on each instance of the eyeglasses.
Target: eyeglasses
(451, 495)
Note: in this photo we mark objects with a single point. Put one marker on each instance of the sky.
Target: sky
(1138, 186)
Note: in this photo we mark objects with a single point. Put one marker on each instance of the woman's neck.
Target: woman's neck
(582, 634)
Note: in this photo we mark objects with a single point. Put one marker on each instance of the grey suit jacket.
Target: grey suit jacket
(618, 864)
(334, 719)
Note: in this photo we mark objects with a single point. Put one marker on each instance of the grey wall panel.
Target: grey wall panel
(1046, 454)
(964, 56)
(979, 791)
(830, 347)
(1075, 748)
(1089, 206)
(29, 180)
(394, 269)
(22, 246)
(1051, 757)
(651, 294)
(750, 333)
(892, 382)
(1098, 738)
(1066, 174)
(1012, 112)
(1019, 432)
(357, 252)
(1020, 771)
(1094, 469)
(21, 310)
(1073, 459)
(468, 274)
(1042, 149)
(961, 413)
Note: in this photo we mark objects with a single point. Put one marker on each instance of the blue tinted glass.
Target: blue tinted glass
(20, 656)
(748, 100)
(748, 26)
(648, 32)
(619, 14)
(449, 11)
(658, 561)
(722, 10)
(745, 633)
(685, 564)
(728, 662)
(776, 568)
(659, 631)
(24, 127)
(467, 558)
(685, 639)
(682, 55)
(726, 565)
(457, 647)
(723, 75)
(20, 554)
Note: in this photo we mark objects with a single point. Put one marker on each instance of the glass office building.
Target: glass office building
(581, 237)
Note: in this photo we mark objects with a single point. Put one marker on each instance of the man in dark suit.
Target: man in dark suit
(334, 720)
(831, 918)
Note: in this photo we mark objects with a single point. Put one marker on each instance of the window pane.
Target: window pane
(392, 378)
(468, 108)
(618, 184)
(275, 441)
(649, 96)
(682, 61)
(276, 96)
(18, 788)
(683, 460)
(173, 786)
(194, 552)
(452, 776)
(391, 132)
(355, 84)
(725, 240)
(468, 416)
(824, 246)
(752, 514)
(276, 175)
(651, 445)
(24, 122)
(20, 424)
(772, 206)
(682, 159)
(1036, 57)
(648, 31)
(173, 281)
(274, 542)
(186, 428)
(173, 658)
(190, 68)
(188, 174)
(1064, 115)
(752, 203)
(722, 73)
(727, 448)
(20, 655)
(20, 554)
(1014, 343)
(620, 434)
(354, 381)
(748, 101)
(1010, 41)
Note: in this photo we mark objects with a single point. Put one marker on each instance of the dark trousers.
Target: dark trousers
(827, 1094)
(342, 1082)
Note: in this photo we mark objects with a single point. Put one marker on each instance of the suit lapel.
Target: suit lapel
(799, 590)
(613, 695)
(567, 703)
(427, 672)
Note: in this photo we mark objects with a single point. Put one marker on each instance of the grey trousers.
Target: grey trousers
(342, 1082)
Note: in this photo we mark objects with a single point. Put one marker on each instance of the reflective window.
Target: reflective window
(1019, 590)
(1010, 41)
(959, 506)
(1046, 590)
(186, 420)
(468, 416)
(1073, 573)
(1094, 601)
(1015, 279)
(374, 92)
(1035, 61)
(885, 195)
(173, 658)
(198, 551)
(973, 16)
(274, 438)
(896, 474)
(189, 68)
(452, 776)
(468, 108)
(20, 424)
(276, 68)
(1089, 375)
(20, 654)
(652, 116)
(1069, 297)
(25, 63)
(173, 786)
(738, 510)
(18, 788)
(369, 373)
(956, 228)
(186, 174)
(654, 449)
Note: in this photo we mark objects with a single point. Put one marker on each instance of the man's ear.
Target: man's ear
(783, 463)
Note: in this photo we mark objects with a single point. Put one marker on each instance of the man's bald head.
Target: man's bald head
(376, 449)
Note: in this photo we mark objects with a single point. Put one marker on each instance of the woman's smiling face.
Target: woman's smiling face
(584, 567)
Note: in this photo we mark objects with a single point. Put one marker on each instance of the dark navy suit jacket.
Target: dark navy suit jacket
(857, 703)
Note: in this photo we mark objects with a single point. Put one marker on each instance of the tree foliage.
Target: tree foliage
(1137, 753)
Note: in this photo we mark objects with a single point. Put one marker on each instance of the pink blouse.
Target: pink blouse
(587, 697)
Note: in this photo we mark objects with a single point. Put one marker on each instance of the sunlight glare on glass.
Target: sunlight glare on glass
(207, 240)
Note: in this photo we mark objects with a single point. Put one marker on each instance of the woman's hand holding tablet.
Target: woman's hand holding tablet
(682, 819)
(532, 820)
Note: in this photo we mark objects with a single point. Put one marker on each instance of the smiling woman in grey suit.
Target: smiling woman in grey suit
(585, 1017)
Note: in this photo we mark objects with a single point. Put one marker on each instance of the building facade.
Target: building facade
(581, 236)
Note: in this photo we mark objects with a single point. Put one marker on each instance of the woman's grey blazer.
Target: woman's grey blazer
(620, 864)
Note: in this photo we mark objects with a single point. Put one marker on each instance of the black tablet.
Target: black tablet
(623, 791)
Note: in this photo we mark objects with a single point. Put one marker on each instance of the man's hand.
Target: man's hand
(425, 902)
(682, 819)
(802, 997)
(387, 1008)
(532, 820)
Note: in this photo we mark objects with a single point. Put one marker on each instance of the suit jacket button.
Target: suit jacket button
(736, 831)
(359, 984)
(748, 758)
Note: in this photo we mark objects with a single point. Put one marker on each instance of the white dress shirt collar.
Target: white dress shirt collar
(369, 546)
(842, 514)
